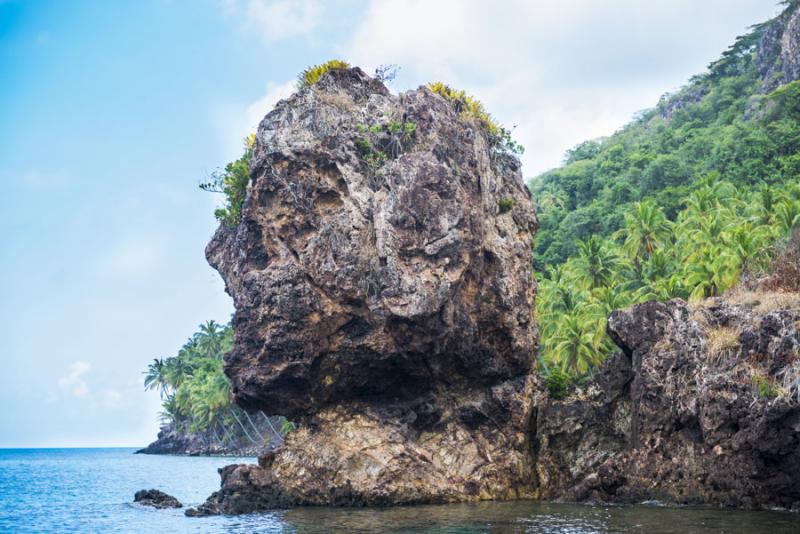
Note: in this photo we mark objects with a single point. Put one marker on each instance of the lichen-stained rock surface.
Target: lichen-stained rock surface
(701, 406)
(778, 50)
(384, 298)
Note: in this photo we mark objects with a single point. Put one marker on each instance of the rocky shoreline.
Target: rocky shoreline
(181, 441)
(700, 406)
(673, 417)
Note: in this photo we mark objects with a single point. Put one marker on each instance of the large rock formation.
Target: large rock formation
(384, 299)
(702, 405)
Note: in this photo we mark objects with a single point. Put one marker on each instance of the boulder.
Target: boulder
(384, 296)
(156, 499)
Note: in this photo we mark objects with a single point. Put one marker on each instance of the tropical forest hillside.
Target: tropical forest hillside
(684, 201)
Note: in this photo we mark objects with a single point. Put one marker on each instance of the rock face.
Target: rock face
(778, 52)
(700, 406)
(156, 499)
(384, 298)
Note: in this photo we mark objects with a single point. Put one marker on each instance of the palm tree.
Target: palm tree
(155, 377)
(597, 262)
(658, 265)
(710, 271)
(610, 298)
(749, 245)
(646, 228)
(178, 368)
(575, 344)
(210, 338)
(766, 200)
(787, 215)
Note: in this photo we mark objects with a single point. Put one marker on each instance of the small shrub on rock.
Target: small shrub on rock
(557, 382)
(764, 385)
(469, 107)
(232, 182)
(379, 143)
(505, 204)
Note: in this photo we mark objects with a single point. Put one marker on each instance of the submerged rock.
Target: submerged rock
(156, 499)
(701, 406)
(384, 298)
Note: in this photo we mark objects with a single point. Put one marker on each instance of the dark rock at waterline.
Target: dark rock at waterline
(156, 499)
(245, 489)
(701, 406)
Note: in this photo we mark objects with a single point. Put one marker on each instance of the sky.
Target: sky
(111, 113)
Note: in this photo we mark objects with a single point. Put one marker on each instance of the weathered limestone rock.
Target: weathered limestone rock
(679, 417)
(386, 305)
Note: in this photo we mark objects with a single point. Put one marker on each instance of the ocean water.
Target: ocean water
(91, 490)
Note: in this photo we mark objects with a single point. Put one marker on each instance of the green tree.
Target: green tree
(597, 262)
(646, 228)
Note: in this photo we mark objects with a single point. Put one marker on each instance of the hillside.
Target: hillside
(692, 197)
(738, 121)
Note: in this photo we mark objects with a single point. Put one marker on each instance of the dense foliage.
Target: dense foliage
(195, 392)
(683, 202)
(722, 235)
(719, 124)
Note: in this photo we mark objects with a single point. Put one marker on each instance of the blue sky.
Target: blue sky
(112, 112)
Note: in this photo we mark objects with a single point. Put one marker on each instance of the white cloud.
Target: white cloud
(262, 106)
(235, 122)
(275, 20)
(73, 382)
(563, 71)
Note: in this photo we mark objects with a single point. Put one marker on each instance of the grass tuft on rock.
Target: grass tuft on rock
(312, 74)
(471, 108)
(722, 341)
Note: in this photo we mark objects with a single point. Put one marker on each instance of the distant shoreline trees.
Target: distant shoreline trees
(196, 396)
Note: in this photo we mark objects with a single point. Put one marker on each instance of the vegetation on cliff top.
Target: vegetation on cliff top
(683, 202)
(391, 139)
(312, 74)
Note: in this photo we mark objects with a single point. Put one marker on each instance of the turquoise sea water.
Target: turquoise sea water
(91, 490)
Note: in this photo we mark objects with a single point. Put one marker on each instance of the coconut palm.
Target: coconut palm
(155, 377)
(787, 215)
(575, 344)
(645, 229)
(597, 263)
